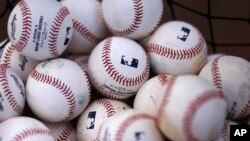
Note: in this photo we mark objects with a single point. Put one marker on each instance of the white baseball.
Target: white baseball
(24, 129)
(191, 109)
(88, 25)
(118, 67)
(62, 131)
(81, 60)
(211, 57)
(133, 19)
(61, 87)
(177, 48)
(224, 134)
(231, 75)
(38, 33)
(130, 125)
(17, 62)
(149, 95)
(12, 94)
(95, 114)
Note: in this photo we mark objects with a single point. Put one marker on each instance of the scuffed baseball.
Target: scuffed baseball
(134, 19)
(149, 95)
(12, 94)
(40, 29)
(17, 62)
(231, 75)
(191, 109)
(62, 131)
(177, 48)
(95, 114)
(88, 25)
(24, 129)
(130, 125)
(118, 67)
(61, 87)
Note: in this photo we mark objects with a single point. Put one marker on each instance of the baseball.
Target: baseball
(118, 67)
(12, 94)
(130, 125)
(149, 95)
(62, 131)
(95, 114)
(24, 129)
(61, 87)
(17, 62)
(133, 19)
(177, 48)
(231, 75)
(88, 25)
(40, 33)
(191, 109)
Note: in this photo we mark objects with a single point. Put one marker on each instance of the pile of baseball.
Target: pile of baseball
(113, 70)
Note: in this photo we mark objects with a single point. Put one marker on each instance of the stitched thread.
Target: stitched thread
(87, 34)
(63, 88)
(26, 28)
(54, 31)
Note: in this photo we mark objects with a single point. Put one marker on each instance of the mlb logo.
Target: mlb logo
(185, 34)
(66, 41)
(91, 120)
(133, 63)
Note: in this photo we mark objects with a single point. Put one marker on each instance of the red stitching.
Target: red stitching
(64, 135)
(30, 132)
(244, 111)
(224, 131)
(7, 55)
(127, 122)
(215, 73)
(177, 54)
(194, 107)
(7, 90)
(88, 84)
(110, 110)
(54, 31)
(64, 89)
(26, 28)
(87, 34)
(121, 79)
(138, 9)
(163, 78)
(165, 99)
(156, 25)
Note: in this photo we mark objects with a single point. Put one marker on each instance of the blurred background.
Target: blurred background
(225, 24)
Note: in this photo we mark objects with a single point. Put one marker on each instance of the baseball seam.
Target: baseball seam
(224, 132)
(26, 28)
(85, 32)
(110, 110)
(138, 10)
(30, 132)
(7, 55)
(127, 122)
(177, 54)
(163, 79)
(216, 77)
(65, 134)
(165, 99)
(194, 107)
(62, 87)
(54, 31)
(7, 90)
(88, 83)
(156, 25)
(113, 73)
